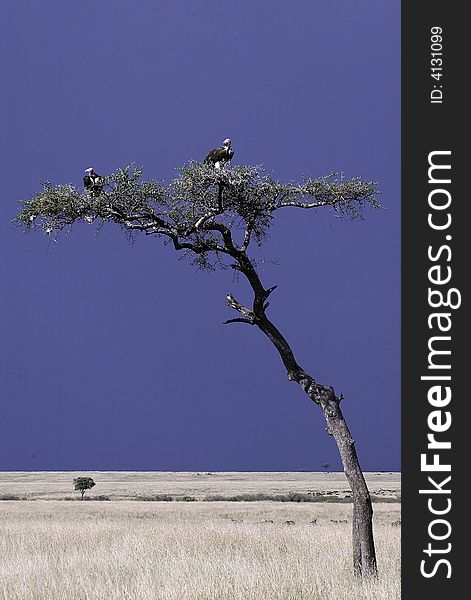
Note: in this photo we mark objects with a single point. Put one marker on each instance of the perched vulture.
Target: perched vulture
(92, 182)
(220, 156)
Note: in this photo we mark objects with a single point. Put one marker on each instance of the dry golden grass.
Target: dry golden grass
(119, 550)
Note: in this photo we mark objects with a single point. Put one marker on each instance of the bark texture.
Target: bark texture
(364, 555)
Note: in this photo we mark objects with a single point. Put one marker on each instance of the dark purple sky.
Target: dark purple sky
(112, 355)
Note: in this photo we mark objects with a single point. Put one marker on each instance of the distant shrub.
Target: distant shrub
(299, 497)
(11, 497)
(155, 498)
(387, 499)
(289, 497)
(396, 524)
(335, 499)
(166, 498)
(260, 496)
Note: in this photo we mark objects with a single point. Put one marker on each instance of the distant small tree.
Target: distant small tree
(213, 216)
(82, 484)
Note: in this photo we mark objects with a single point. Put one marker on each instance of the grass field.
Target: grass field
(53, 549)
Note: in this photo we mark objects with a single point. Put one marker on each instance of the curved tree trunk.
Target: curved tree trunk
(364, 555)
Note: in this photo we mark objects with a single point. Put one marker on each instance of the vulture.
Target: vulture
(220, 156)
(92, 183)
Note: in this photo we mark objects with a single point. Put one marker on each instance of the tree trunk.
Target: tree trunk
(364, 556)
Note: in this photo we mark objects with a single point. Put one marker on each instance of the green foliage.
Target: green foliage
(246, 195)
(197, 209)
(56, 208)
(82, 484)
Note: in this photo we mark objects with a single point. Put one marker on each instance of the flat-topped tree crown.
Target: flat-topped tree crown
(203, 211)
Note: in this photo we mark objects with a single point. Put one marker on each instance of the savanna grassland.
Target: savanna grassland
(130, 545)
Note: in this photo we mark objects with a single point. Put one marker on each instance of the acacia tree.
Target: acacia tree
(213, 216)
(82, 484)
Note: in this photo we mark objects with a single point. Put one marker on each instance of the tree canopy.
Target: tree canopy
(205, 212)
(82, 484)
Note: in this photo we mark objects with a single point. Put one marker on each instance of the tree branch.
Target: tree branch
(238, 320)
(203, 220)
(226, 236)
(299, 204)
(247, 238)
(246, 312)
(220, 188)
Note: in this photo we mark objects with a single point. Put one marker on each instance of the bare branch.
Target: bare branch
(299, 204)
(203, 220)
(270, 290)
(238, 320)
(225, 233)
(246, 312)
